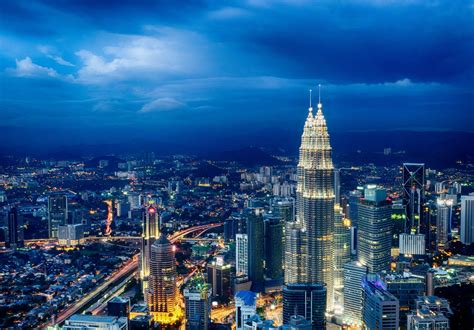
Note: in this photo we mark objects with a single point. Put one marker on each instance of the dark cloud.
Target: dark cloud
(190, 68)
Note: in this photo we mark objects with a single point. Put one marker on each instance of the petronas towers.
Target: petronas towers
(309, 240)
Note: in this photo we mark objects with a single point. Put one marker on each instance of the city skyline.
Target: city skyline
(76, 72)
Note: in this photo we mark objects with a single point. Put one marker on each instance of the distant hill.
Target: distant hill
(250, 156)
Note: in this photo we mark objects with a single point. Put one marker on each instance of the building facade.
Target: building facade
(467, 219)
(380, 309)
(307, 300)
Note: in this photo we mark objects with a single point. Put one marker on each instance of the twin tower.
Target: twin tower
(309, 251)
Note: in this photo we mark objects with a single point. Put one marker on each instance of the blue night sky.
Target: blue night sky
(97, 71)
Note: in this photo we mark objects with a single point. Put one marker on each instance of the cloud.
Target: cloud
(26, 68)
(228, 13)
(162, 104)
(49, 53)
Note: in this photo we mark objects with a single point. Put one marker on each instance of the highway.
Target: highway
(126, 272)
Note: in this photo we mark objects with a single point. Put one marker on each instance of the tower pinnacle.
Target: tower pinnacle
(319, 97)
(310, 100)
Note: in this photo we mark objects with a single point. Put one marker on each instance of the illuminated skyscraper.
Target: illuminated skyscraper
(315, 204)
(197, 300)
(443, 222)
(151, 231)
(414, 196)
(467, 219)
(57, 212)
(241, 254)
(342, 246)
(161, 293)
(375, 230)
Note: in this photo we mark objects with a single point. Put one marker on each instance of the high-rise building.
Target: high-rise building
(307, 300)
(342, 246)
(218, 276)
(443, 222)
(354, 197)
(284, 207)
(255, 234)
(406, 287)
(119, 307)
(241, 254)
(198, 305)
(95, 322)
(375, 229)
(315, 204)
(245, 307)
(354, 273)
(467, 219)
(273, 227)
(151, 232)
(57, 212)
(414, 196)
(71, 235)
(337, 186)
(15, 236)
(380, 308)
(412, 244)
(294, 253)
(161, 293)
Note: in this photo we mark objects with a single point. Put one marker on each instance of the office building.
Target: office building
(95, 322)
(443, 222)
(218, 276)
(307, 300)
(354, 273)
(141, 322)
(256, 243)
(284, 207)
(241, 255)
(161, 293)
(245, 307)
(151, 231)
(15, 234)
(406, 287)
(412, 244)
(273, 228)
(414, 197)
(294, 256)
(119, 307)
(380, 309)
(71, 235)
(426, 319)
(256, 323)
(467, 219)
(57, 212)
(354, 197)
(315, 204)
(375, 229)
(342, 246)
(197, 304)
(433, 303)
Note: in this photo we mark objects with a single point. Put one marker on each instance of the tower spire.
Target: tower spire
(319, 97)
(310, 97)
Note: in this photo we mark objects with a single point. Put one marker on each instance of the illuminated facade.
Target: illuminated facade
(315, 207)
(162, 292)
(57, 212)
(151, 231)
(443, 222)
(342, 246)
(375, 230)
(414, 196)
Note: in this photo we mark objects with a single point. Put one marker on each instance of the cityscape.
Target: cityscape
(158, 186)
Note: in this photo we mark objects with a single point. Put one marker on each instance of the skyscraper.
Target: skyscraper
(218, 276)
(414, 196)
(354, 273)
(57, 212)
(342, 246)
(273, 227)
(15, 237)
(284, 207)
(161, 292)
(294, 253)
(245, 307)
(443, 222)
(380, 308)
(315, 204)
(255, 234)
(307, 300)
(151, 231)
(241, 254)
(412, 244)
(467, 219)
(375, 229)
(198, 305)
